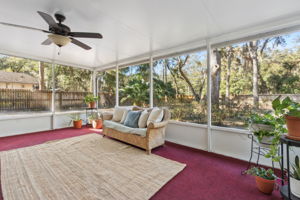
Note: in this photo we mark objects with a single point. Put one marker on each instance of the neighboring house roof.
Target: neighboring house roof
(16, 77)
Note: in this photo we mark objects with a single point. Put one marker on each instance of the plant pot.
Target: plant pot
(77, 124)
(293, 126)
(92, 104)
(257, 127)
(266, 141)
(97, 124)
(264, 185)
(295, 187)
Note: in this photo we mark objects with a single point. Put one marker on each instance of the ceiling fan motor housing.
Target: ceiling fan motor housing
(59, 16)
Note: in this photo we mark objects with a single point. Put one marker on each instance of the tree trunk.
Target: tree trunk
(215, 77)
(252, 49)
(228, 74)
(173, 75)
(41, 76)
(181, 64)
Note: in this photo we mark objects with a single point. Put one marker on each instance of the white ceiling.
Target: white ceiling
(132, 27)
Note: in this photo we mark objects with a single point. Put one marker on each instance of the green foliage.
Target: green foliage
(266, 119)
(261, 172)
(90, 98)
(276, 121)
(75, 117)
(162, 89)
(296, 168)
(286, 107)
(135, 91)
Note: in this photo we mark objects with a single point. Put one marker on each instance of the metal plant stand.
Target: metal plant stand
(286, 189)
(89, 112)
(261, 149)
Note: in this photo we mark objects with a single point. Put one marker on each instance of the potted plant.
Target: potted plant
(262, 126)
(96, 121)
(290, 110)
(91, 100)
(267, 128)
(265, 179)
(295, 178)
(77, 121)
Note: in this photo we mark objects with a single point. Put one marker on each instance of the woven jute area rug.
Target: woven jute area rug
(87, 167)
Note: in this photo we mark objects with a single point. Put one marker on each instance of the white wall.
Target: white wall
(225, 141)
(16, 126)
(23, 124)
(187, 134)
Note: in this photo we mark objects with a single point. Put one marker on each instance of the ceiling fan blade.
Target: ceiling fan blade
(49, 19)
(82, 45)
(85, 35)
(47, 42)
(25, 27)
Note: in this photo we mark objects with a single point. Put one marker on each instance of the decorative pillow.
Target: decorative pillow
(156, 115)
(143, 119)
(132, 119)
(124, 115)
(118, 114)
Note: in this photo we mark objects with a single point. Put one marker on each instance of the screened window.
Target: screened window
(72, 85)
(134, 85)
(24, 85)
(107, 89)
(180, 84)
(246, 77)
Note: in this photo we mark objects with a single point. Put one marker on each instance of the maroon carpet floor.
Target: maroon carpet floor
(207, 176)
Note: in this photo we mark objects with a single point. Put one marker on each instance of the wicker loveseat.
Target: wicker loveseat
(154, 135)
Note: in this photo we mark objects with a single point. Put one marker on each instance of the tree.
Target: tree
(215, 77)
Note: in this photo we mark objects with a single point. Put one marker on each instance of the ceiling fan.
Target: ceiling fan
(59, 33)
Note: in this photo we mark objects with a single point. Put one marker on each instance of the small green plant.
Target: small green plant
(75, 117)
(90, 98)
(296, 169)
(286, 107)
(262, 172)
(94, 116)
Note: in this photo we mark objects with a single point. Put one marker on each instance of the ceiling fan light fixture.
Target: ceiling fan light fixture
(59, 40)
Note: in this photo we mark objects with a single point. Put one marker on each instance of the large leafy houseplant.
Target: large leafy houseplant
(290, 111)
(265, 179)
(268, 128)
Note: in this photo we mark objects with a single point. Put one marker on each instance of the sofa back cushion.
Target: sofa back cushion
(156, 115)
(126, 110)
(118, 114)
(132, 119)
(143, 119)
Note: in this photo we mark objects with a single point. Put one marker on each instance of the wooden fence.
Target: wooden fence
(24, 100)
(12, 100)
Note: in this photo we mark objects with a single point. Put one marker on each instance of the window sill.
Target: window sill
(24, 116)
(217, 128)
(35, 115)
(188, 124)
(231, 130)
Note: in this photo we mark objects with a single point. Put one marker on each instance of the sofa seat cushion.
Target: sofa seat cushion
(125, 129)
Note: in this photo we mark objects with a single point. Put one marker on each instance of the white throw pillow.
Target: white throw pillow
(143, 119)
(156, 115)
(124, 115)
(118, 114)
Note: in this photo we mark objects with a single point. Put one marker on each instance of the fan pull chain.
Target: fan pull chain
(59, 50)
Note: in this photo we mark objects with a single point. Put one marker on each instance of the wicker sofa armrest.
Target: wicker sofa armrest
(106, 116)
(154, 125)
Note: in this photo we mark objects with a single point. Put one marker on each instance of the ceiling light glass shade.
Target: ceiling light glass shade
(59, 40)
